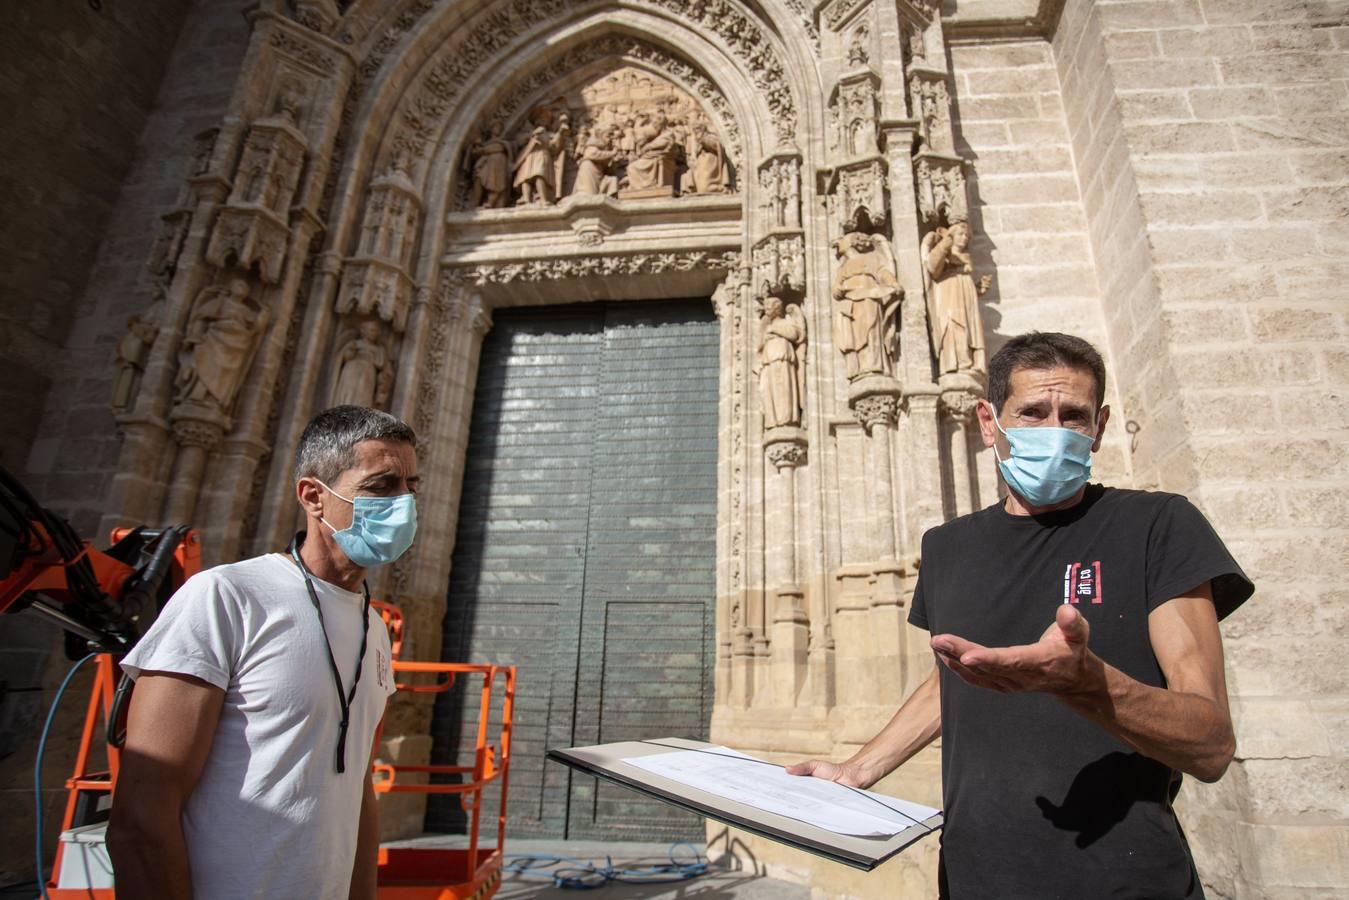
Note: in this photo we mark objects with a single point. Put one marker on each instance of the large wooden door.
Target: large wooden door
(586, 550)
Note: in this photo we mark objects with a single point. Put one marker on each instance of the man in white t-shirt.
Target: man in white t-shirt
(246, 769)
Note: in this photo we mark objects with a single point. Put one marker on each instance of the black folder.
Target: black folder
(606, 761)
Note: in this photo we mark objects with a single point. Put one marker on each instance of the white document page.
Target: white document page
(767, 786)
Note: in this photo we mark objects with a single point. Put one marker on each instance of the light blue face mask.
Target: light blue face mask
(1047, 465)
(382, 528)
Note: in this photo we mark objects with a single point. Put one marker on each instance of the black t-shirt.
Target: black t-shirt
(1040, 802)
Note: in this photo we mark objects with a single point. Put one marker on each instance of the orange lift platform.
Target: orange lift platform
(472, 872)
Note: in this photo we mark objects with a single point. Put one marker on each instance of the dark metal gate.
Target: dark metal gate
(586, 550)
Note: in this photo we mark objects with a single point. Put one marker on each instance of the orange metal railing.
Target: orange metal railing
(413, 873)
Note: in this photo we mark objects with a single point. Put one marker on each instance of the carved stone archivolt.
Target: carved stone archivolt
(496, 29)
(780, 191)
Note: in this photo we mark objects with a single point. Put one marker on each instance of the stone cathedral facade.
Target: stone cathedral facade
(867, 197)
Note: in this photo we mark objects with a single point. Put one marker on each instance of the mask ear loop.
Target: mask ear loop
(339, 497)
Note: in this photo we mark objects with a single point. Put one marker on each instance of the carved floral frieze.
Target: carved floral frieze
(598, 265)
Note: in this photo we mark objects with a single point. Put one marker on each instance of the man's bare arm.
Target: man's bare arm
(916, 724)
(365, 870)
(170, 728)
(1185, 725)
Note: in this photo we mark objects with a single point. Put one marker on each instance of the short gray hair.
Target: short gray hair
(327, 446)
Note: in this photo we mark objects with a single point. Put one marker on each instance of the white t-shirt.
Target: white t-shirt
(270, 817)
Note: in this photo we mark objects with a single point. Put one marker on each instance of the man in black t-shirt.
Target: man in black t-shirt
(1063, 747)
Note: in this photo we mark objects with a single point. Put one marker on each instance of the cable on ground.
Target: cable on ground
(583, 874)
(37, 772)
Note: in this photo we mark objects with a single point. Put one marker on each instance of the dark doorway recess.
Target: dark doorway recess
(586, 553)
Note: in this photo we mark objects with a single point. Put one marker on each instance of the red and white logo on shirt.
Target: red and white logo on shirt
(1082, 582)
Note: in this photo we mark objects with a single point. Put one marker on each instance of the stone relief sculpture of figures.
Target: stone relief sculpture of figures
(781, 369)
(707, 172)
(658, 147)
(953, 300)
(866, 293)
(594, 163)
(222, 335)
(535, 169)
(365, 373)
(490, 158)
(132, 351)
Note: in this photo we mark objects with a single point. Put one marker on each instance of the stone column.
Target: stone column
(959, 395)
(198, 430)
(785, 448)
(444, 372)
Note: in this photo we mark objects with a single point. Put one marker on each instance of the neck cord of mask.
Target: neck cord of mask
(344, 698)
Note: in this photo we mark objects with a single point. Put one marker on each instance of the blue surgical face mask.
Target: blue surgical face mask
(1047, 465)
(382, 528)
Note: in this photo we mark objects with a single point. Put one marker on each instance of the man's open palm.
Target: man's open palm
(1055, 664)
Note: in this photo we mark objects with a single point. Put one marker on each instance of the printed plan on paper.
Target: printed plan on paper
(766, 786)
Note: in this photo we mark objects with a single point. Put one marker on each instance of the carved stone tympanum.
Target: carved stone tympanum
(536, 168)
(490, 164)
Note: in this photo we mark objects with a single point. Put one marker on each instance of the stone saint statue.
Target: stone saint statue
(866, 294)
(222, 335)
(364, 361)
(535, 173)
(953, 300)
(593, 164)
(707, 172)
(657, 146)
(781, 363)
(491, 160)
(132, 351)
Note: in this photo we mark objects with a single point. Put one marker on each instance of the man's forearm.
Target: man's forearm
(365, 870)
(149, 855)
(916, 724)
(1188, 732)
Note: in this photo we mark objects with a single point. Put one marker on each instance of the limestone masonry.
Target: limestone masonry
(288, 204)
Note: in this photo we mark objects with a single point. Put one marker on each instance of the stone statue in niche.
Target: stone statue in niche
(594, 162)
(953, 300)
(366, 374)
(490, 158)
(132, 351)
(653, 166)
(222, 334)
(858, 55)
(866, 293)
(707, 172)
(535, 168)
(781, 370)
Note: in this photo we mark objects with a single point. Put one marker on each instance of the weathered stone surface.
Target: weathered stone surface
(1164, 177)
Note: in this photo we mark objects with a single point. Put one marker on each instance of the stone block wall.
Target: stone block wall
(1212, 139)
(1031, 232)
(77, 85)
(102, 107)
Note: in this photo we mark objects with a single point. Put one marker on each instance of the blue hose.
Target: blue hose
(37, 772)
(582, 874)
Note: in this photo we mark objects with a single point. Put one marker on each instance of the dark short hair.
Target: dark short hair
(1043, 350)
(327, 447)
